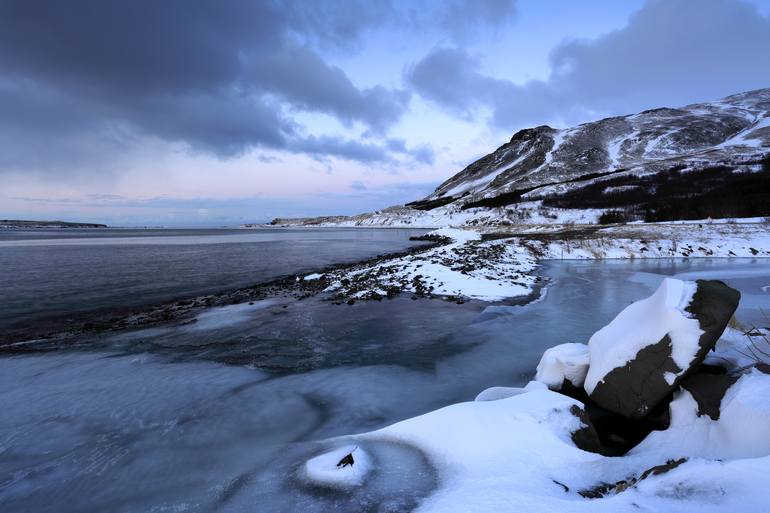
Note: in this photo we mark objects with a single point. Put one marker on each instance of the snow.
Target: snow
(664, 241)
(565, 361)
(313, 276)
(655, 147)
(729, 220)
(741, 431)
(497, 393)
(642, 324)
(456, 234)
(480, 458)
(613, 150)
(515, 454)
(510, 450)
(619, 188)
(748, 137)
(323, 470)
(469, 268)
(503, 268)
(738, 350)
(479, 184)
(558, 139)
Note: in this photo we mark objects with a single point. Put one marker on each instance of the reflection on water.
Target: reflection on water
(63, 272)
(217, 416)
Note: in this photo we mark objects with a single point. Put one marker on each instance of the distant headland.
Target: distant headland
(16, 224)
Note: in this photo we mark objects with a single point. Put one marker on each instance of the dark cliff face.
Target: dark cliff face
(734, 129)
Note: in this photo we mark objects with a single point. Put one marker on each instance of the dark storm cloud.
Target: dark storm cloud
(219, 76)
(672, 52)
(301, 77)
(81, 78)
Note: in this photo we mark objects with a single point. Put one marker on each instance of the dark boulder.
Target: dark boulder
(633, 388)
(609, 434)
(708, 389)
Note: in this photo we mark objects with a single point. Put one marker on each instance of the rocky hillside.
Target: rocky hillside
(734, 129)
(708, 159)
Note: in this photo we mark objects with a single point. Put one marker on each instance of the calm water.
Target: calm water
(219, 415)
(47, 273)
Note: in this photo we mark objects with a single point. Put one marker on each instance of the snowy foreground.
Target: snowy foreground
(517, 449)
(491, 270)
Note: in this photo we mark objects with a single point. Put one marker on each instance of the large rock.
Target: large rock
(708, 389)
(638, 359)
(563, 365)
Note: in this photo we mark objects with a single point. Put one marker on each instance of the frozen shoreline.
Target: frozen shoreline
(502, 264)
(491, 264)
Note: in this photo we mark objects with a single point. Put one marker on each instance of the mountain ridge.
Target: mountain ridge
(540, 164)
(540, 155)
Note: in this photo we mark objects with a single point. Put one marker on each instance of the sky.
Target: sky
(213, 113)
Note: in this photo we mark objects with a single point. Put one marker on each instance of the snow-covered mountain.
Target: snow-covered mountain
(702, 153)
(732, 129)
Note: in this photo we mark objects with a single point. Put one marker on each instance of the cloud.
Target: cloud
(461, 20)
(220, 77)
(324, 146)
(671, 52)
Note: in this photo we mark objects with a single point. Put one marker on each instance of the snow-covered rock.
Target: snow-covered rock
(642, 355)
(565, 362)
(326, 469)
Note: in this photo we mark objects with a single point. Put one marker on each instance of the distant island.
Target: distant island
(16, 223)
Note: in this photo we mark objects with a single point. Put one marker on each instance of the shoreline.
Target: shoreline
(493, 266)
(60, 329)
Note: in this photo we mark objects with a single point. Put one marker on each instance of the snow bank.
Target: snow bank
(645, 323)
(563, 362)
(492, 453)
(742, 431)
(497, 393)
(736, 349)
(515, 454)
(457, 234)
(497, 269)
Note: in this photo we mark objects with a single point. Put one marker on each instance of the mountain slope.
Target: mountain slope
(703, 160)
(735, 128)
